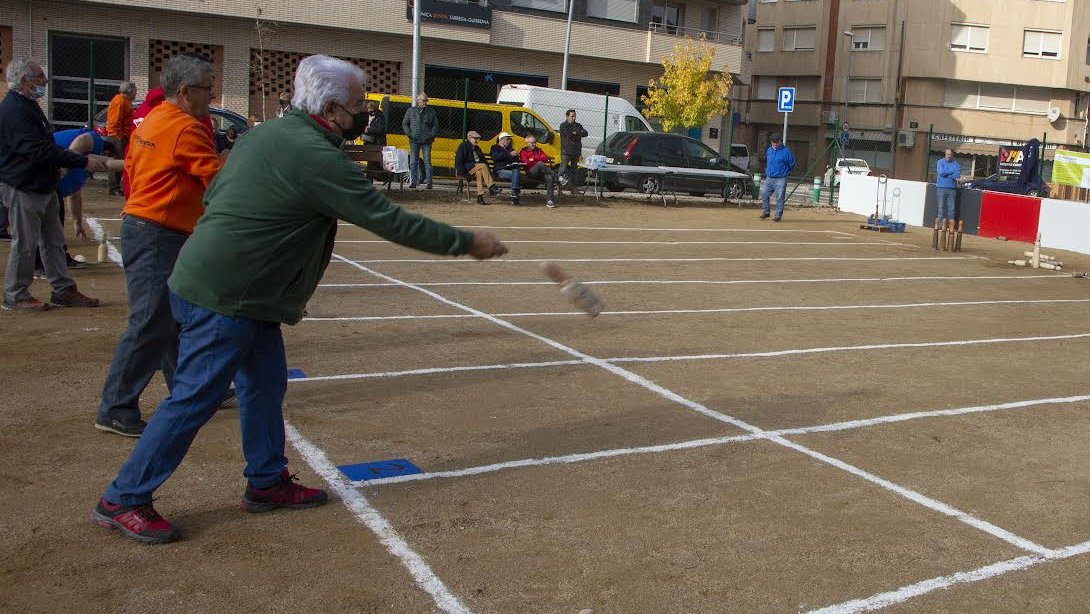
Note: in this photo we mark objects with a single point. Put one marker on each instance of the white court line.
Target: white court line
(366, 513)
(637, 379)
(108, 219)
(643, 312)
(816, 350)
(98, 232)
(700, 443)
(710, 282)
(354, 500)
(707, 259)
(875, 243)
(645, 229)
(883, 600)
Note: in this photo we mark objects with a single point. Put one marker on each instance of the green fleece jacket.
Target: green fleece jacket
(270, 220)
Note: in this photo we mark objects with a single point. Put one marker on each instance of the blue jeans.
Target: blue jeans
(150, 341)
(213, 349)
(947, 198)
(513, 175)
(778, 185)
(414, 153)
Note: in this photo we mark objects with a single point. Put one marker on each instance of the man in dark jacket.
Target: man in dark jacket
(30, 168)
(254, 260)
(375, 132)
(571, 147)
(420, 125)
(469, 162)
(506, 163)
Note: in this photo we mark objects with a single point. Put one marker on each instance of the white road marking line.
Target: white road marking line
(705, 442)
(837, 243)
(710, 282)
(635, 378)
(900, 595)
(644, 229)
(366, 513)
(643, 312)
(707, 259)
(670, 358)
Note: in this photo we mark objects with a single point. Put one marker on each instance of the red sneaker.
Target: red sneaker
(284, 494)
(139, 522)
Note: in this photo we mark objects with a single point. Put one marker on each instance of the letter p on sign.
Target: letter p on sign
(785, 102)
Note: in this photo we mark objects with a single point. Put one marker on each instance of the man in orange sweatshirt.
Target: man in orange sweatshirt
(170, 162)
(119, 127)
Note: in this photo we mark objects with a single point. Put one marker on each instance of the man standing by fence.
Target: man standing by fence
(119, 126)
(779, 162)
(571, 147)
(420, 125)
(948, 171)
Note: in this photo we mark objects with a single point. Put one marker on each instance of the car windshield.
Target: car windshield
(853, 162)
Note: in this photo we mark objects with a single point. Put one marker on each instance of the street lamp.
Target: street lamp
(848, 74)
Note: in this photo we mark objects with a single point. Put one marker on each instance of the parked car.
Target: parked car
(222, 119)
(855, 166)
(662, 149)
(1005, 183)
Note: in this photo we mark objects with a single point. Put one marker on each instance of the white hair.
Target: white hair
(321, 79)
(127, 87)
(18, 69)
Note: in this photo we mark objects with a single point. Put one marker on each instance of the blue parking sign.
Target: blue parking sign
(785, 102)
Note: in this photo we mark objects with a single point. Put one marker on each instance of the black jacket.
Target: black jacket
(420, 124)
(502, 159)
(375, 134)
(571, 138)
(30, 160)
(465, 157)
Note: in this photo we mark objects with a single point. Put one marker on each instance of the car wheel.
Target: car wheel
(733, 190)
(649, 184)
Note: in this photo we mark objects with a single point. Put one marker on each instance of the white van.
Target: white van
(739, 155)
(551, 104)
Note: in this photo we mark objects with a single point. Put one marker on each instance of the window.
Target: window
(1032, 100)
(964, 37)
(868, 39)
(667, 15)
(542, 5)
(487, 123)
(766, 88)
(766, 39)
(709, 21)
(633, 124)
(524, 124)
(799, 39)
(617, 10)
(1041, 44)
(998, 97)
(865, 90)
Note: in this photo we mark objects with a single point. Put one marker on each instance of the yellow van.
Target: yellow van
(489, 120)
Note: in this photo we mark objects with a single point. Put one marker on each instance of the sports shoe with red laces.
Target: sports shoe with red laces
(139, 522)
(71, 297)
(284, 494)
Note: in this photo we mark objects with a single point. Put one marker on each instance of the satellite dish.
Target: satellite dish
(1054, 114)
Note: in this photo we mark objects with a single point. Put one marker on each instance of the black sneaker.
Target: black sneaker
(230, 400)
(494, 190)
(73, 263)
(125, 429)
(480, 200)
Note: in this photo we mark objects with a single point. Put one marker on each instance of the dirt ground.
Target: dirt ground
(755, 424)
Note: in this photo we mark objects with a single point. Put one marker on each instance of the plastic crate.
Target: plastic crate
(890, 224)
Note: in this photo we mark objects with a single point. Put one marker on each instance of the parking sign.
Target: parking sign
(785, 102)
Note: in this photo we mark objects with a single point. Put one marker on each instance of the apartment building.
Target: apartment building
(89, 46)
(914, 77)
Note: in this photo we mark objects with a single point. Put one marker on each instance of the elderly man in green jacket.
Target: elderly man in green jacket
(253, 261)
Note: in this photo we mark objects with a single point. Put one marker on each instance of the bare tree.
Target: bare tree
(263, 30)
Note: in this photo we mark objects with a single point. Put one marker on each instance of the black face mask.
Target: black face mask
(359, 124)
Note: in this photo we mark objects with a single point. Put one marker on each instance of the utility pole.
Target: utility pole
(567, 46)
(416, 50)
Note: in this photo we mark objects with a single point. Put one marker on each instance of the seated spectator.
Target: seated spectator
(469, 162)
(375, 132)
(225, 141)
(538, 167)
(506, 162)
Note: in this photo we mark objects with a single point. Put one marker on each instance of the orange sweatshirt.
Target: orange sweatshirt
(119, 117)
(170, 162)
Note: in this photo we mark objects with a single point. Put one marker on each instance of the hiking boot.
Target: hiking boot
(71, 297)
(139, 522)
(480, 200)
(765, 215)
(26, 304)
(125, 429)
(284, 494)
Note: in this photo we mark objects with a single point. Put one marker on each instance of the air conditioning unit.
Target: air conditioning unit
(906, 138)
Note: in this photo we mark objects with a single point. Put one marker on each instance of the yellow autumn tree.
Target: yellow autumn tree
(689, 93)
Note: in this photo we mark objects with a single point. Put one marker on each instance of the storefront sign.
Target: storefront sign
(1071, 168)
(1010, 161)
(471, 13)
(981, 140)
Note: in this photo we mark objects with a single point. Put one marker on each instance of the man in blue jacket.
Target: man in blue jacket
(778, 166)
(949, 171)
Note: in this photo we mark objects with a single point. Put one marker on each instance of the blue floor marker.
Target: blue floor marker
(380, 469)
(296, 374)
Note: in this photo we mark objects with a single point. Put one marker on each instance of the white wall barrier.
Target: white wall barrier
(1065, 224)
(902, 200)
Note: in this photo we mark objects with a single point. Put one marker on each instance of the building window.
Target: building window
(799, 39)
(1041, 44)
(998, 97)
(766, 39)
(806, 88)
(868, 38)
(1088, 51)
(865, 90)
(709, 20)
(964, 37)
(766, 88)
(668, 15)
(617, 10)
(542, 5)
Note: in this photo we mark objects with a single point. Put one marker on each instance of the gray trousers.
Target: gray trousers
(35, 225)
